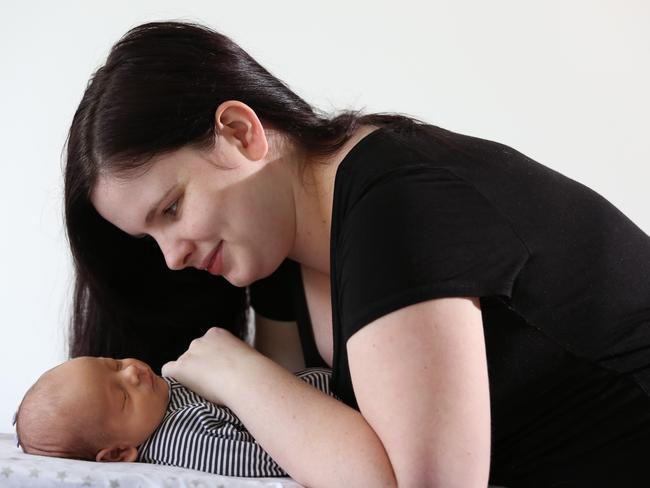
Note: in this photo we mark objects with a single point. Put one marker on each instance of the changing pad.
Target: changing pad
(18, 469)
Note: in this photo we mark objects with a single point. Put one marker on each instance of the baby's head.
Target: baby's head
(92, 408)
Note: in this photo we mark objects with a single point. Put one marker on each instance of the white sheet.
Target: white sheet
(19, 470)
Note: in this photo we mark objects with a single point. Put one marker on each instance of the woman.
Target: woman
(486, 317)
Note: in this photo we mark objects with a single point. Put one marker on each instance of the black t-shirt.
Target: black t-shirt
(420, 212)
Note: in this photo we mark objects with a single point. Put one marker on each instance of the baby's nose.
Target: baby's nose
(134, 374)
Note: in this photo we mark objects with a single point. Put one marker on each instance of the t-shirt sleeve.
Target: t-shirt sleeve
(417, 234)
(273, 296)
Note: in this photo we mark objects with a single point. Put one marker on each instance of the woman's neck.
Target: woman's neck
(314, 199)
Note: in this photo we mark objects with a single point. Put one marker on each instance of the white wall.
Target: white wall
(564, 81)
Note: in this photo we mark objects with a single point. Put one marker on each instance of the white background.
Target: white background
(565, 82)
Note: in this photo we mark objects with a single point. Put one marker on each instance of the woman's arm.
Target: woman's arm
(279, 341)
(424, 395)
(420, 379)
(318, 440)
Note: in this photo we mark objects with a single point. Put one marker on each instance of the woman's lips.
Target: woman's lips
(216, 262)
(205, 264)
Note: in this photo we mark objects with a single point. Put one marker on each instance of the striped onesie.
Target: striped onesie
(197, 434)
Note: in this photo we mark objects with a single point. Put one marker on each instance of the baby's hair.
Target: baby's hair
(45, 425)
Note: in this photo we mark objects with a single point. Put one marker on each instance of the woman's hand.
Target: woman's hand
(316, 439)
(210, 364)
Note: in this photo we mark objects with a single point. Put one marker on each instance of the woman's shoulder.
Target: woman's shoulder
(405, 146)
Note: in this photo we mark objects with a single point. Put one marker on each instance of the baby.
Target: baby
(105, 409)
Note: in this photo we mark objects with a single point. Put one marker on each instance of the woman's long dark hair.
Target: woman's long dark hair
(157, 92)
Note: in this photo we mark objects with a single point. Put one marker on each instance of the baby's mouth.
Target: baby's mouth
(149, 376)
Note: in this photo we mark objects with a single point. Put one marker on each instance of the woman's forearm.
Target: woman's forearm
(316, 439)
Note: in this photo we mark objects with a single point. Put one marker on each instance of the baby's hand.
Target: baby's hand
(210, 364)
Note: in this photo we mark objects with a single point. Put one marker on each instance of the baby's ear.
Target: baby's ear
(113, 454)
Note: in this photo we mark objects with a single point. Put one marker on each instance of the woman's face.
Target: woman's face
(190, 201)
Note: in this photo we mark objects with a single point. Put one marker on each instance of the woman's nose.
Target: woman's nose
(177, 252)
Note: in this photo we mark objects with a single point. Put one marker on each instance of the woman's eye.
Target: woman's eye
(172, 209)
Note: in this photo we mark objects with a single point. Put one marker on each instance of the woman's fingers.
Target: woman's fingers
(172, 368)
(211, 363)
(168, 368)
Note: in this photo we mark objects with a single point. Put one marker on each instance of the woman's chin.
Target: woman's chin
(237, 281)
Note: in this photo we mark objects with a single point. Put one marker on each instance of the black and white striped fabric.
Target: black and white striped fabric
(198, 434)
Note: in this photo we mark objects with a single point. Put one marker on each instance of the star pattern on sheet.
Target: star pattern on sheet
(34, 472)
(87, 481)
(6, 471)
(61, 475)
(170, 481)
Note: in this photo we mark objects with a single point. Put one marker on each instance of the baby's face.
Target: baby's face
(125, 393)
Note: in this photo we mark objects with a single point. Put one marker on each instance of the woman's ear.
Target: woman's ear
(236, 121)
(114, 454)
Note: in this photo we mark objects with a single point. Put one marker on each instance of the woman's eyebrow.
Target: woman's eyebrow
(153, 208)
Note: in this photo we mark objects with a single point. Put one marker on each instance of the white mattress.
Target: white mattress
(18, 469)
